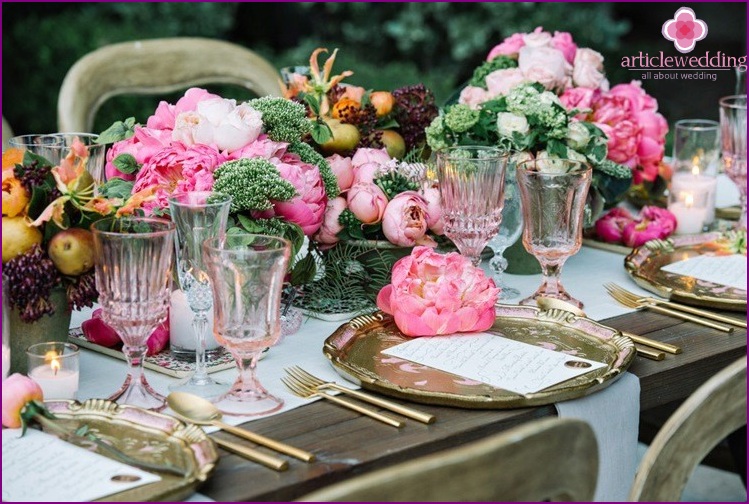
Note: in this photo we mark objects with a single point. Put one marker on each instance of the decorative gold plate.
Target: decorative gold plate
(644, 266)
(355, 351)
(148, 436)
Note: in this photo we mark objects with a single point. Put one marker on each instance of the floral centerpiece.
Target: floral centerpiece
(625, 114)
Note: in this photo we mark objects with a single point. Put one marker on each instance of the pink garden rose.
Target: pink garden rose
(328, 233)
(473, 96)
(368, 155)
(499, 82)
(219, 122)
(545, 65)
(434, 209)
(564, 43)
(343, 169)
(367, 202)
(18, 391)
(166, 114)
(404, 222)
(587, 71)
(433, 294)
(509, 47)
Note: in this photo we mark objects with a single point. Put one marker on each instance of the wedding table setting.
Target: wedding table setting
(321, 276)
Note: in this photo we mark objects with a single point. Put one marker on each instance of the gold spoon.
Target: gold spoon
(197, 410)
(546, 303)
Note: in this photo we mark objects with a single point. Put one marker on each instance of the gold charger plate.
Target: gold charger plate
(355, 349)
(148, 436)
(644, 266)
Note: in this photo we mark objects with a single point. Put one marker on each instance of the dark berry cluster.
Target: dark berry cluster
(36, 174)
(414, 110)
(81, 291)
(30, 278)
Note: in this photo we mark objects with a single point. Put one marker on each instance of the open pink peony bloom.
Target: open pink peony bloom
(142, 146)
(434, 209)
(328, 233)
(654, 223)
(165, 115)
(367, 202)
(308, 207)
(610, 227)
(343, 169)
(433, 294)
(405, 220)
(18, 391)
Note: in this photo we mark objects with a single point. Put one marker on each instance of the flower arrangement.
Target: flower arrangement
(347, 117)
(434, 294)
(46, 242)
(618, 225)
(252, 151)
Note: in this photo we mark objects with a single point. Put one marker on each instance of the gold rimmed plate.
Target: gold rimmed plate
(355, 350)
(644, 265)
(147, 436)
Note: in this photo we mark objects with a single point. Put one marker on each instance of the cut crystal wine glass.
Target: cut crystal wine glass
(733, 138)
(510, 227)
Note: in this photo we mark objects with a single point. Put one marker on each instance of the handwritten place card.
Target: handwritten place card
(500, 362)
(723, 270)
(40, 467)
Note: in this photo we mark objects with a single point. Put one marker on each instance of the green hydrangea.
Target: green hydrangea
(284, 120)
(394, 183)
(498, 63)
(437, 134)
(310, 156)
(461, 118)
(252, 183)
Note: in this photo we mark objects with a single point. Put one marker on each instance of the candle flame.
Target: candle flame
(696, 165)
(689, 201)
(54, 363)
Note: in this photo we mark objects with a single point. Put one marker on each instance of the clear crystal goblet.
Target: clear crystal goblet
(733, 139)
(510, 228)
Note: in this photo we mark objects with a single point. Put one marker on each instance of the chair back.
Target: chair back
(157, 66)
(711, 413)
(551, 459)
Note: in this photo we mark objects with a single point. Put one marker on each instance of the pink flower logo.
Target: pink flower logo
(684, 30)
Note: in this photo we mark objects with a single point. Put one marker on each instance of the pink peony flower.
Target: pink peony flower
(545, 65)
(509, 47)
(433, 294)
(97, 331)
(579, 98)
(500, 82)
(367, 202)
(343, 170)
(609, 228)
(144, 143)
(18, 391)
(263, 147)
(367, 155)
(404, 222)
(434, 209)
(328, 233)
(163, 118)
(166, 114)
(159, 338)
(654, 223)
(588, 69)
(636, 97)
(624, 138)
(308, 207)
(564, 43)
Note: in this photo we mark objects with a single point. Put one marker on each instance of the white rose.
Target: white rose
(548, 98)
(242, 126)
(545, 65)
(216, 109)
(588, 69)
(538, 38)
(550, 164)
(508, 123)
(500, 82)
(187, 126)
(577, 136)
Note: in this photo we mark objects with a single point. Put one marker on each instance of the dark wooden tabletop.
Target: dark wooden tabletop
(347, 444)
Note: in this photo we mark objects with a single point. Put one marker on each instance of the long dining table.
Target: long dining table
(347, 444)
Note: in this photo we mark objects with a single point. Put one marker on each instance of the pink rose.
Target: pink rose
(308, 207)
(473, 96)
(18, 391)
(654, 223)
(165, 115)
(367, 202)
(97, 331)
(545, 65)
(404, 222)
(579, 98)
(537, 38)
(433, 294)
(343, 170)
(588, 69)
(509, 47)
(263, 147)
(563, 42)
(328, 233)
(500, 82)
(434, 209)
(610, 227)
(367, 155)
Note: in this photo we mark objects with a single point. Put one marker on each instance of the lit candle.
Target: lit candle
(6, 361)
(181, 334)
(697, 182)
(690, 219)
(55, 381)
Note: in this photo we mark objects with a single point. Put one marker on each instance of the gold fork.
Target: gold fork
(688, 309)
(316, 383)
(301, 390)
(625, 301)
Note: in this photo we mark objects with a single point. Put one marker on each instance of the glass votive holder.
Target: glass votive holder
(690, 207)
(696, 158)
(55, 367)
(181, 333)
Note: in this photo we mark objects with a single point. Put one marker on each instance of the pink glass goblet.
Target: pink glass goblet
(471, 185)
(247, 273)
(552, 195)
(133, 260)
(733, 138)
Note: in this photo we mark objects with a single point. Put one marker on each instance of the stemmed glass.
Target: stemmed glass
(553, 201)
(509, 231)
(471, 185)
(247, 273)
(198, 215)
(133, 261)
(733, 138)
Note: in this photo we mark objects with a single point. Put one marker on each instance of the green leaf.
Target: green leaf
(29, 158)
(321, 132)
(312, 102)
(304, 271)
(295, 235)
(118, 131)
(116, 188)
(387, 123)
(556, 148)
(248, 224)
(126, 163)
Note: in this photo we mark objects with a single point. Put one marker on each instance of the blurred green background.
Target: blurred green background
(387, 45)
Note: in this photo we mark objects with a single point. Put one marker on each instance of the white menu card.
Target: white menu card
(727, 270)
(501, 362)
(39, 467)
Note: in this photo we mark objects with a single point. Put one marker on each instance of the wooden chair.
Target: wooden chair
(551, 459)
(712, 412)
(154, 67)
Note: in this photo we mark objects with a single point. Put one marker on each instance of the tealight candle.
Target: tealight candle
(54, 366)
(697, 183)
(691, 214)
(181, 333)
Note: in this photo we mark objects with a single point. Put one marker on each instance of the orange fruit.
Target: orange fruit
(12, 157)
(383, 102)
(345, 107)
